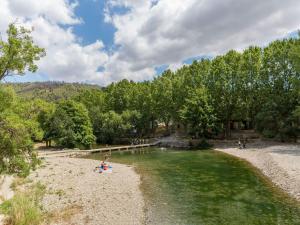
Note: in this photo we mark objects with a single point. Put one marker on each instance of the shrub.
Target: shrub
(16, 155)
(24, 208)
(70, 126)
(202, 145)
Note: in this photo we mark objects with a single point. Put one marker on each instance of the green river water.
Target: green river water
(206, 187)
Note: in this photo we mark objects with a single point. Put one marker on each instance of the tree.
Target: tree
(119, 95)
(110, 127)
(44, 118)
(131, 121)
(295, 55)
(280, 91)
(19, 53)
(16, 149)
(94, 101)
(225, 86)
(251, 98)
(70, 125)
(162, 98)
(198, 114)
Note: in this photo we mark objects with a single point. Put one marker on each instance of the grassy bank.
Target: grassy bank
(24, 208)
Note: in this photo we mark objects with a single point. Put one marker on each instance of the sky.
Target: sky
(103, 41)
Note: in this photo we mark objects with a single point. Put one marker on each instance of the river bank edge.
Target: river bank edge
(70, 196)
(283, 173)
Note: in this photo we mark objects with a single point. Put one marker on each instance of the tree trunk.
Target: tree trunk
(227, 129)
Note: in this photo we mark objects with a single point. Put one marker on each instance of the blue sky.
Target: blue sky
(102, 41)
(94, 27)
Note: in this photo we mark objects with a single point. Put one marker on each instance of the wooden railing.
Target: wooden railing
(105, 149)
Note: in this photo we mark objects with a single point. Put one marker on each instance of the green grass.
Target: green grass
(19, 181)
(24, 208)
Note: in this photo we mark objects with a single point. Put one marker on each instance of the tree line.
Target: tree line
(258, 87)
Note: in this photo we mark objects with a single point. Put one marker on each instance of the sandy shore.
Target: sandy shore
(279, 162)
(77, 195)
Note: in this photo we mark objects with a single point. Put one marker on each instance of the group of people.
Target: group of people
(103, 167)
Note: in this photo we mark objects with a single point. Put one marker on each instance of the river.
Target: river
(206, 187)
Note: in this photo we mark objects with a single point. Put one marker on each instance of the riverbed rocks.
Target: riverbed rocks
(5, 191)
(78, 195)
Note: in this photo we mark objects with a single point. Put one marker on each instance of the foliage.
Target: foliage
(24, 208)
(19, 53)
(257, 87)
(112, 125)
(295, 55)
(18, 127)
(16, 155)
(50, 91)
(198, 113)
(70, 125)
(131, 119)
(280, 93)
(201, 145)
(119, 95)
(163, 111)
(44, 116)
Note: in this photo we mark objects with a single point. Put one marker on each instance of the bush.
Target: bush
(24, 208)
(202, 145)
(16, 155)
(16, 132)
(70, 126)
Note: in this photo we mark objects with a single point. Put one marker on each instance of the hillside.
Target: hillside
(51, 91)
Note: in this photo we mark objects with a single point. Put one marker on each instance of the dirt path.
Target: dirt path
(279, 162)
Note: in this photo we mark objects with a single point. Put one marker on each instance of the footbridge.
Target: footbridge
(77, 152)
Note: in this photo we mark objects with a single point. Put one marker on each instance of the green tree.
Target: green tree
(250, 97)
(44, 118)
(19, 53)
(131, 121)
(70, 125)
(295, 55)
(163, 98)
(280, 91)
(225, 86)
(16, 149)
(94, 101)
(119, 95)
(142, 101)
(198, 113)
(111, 126)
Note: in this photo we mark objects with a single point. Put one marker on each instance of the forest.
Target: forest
(259, 87)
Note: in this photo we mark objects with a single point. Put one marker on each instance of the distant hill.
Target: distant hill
(50, 90)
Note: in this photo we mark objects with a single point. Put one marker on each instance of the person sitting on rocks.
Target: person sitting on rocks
(101, 167)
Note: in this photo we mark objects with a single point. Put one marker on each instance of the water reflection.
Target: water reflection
(205, 187)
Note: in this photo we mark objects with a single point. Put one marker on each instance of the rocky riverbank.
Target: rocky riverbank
(280, 162)
(78, 195)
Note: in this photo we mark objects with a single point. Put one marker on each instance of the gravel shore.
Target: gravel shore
(279, 162)
(78, 195)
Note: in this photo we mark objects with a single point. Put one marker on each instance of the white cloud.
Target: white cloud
(56, 11)
(153, 33)
(149, 33)
(67, 59)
